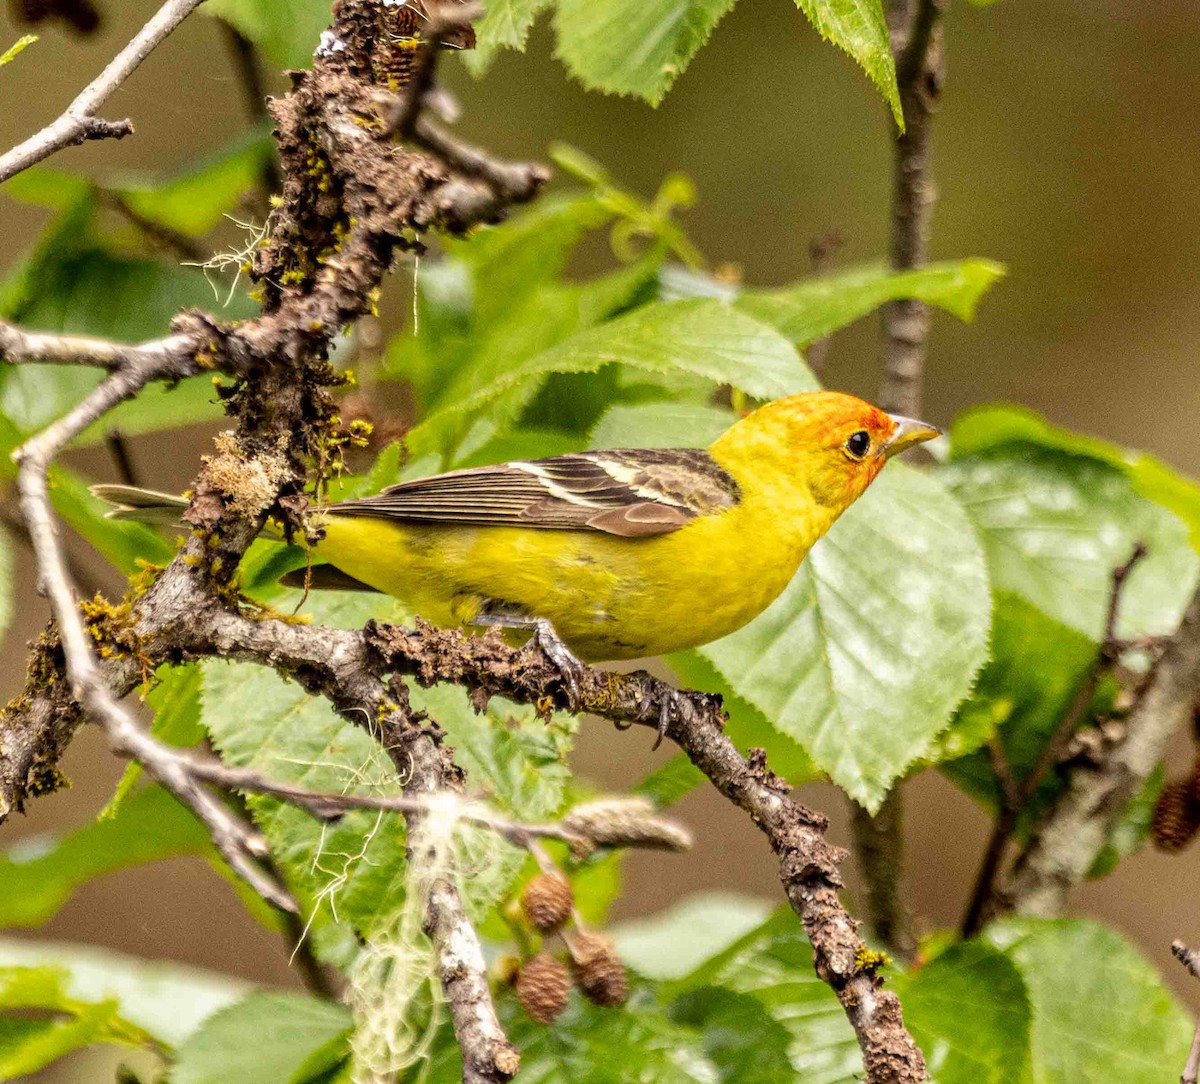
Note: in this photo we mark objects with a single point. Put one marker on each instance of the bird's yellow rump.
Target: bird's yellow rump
(626, 553)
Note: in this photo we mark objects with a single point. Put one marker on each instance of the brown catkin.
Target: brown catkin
(548, 901)
(1176, 816)
(543, 987)
(598, 970)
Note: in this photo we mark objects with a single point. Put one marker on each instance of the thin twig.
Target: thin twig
(238, 843)
(20, 347)
(118, 448)
(1015, 796)
(1190, 959)
(79, 121)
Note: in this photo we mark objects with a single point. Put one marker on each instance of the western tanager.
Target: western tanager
(622, 553)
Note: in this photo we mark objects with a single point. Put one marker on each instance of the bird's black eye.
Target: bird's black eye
(858, 444)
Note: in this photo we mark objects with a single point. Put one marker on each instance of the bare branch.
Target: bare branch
(79, 121)
(1014, 795)
(168, 358)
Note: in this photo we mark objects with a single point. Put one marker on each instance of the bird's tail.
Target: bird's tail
(141, 505)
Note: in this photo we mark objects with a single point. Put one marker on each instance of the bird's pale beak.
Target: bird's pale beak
(909, 431)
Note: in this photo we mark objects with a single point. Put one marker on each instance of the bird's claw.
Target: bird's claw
(564, 660)
(673, 703)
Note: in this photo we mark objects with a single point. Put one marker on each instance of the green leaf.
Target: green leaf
(1100, 1012)
(17, 48)
(970, 1015)
(76, 1024)
(505, 25)
(666, 785)
(986, 428)
(674, 942)
(287, 31)
(774, 965)
(660, 425)
(702, 337)
(876, 640)
(168, 1000)
(42, 872)
(858, 27)
(637, 47)
(266, 1038)
(1055, 525)
(817, 307)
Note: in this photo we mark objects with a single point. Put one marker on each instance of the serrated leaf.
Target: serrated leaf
(985, 428)
(817, 307)
(774, 965)
(637, 47)
(41, 873)
(505, 25)
(858, 27)
(970, 1015)
(265, 1038)
(877, 639)
(702, 337)
(287, 31)
(1100, 1012)
(674, 942)
(660, 425)
(1055, 525)
(168, 1000)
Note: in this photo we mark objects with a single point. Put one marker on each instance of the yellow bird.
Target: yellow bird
(621, 554)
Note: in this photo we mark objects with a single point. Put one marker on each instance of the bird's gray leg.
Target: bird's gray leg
(564, 660)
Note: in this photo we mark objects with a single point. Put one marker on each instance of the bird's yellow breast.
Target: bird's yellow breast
(608, 597)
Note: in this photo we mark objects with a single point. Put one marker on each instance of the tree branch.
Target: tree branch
(1071, 835)
(1190, 959)
(79, 121)
(916, 46)
(1014, 796)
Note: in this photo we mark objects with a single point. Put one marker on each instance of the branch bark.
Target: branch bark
(915, 27)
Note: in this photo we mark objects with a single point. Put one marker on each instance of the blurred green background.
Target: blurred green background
(1066, 146)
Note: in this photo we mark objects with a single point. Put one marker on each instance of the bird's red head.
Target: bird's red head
(834, 442)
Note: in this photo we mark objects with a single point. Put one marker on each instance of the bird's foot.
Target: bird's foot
(569, 667)
(672, 704)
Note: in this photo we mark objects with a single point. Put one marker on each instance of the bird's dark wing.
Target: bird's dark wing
(631, 493)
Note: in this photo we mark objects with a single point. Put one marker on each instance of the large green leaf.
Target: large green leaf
(1100, 1013)
(876, 640)
(41, 873)
(27, 1045)
(660, 425)
(984, 428)
(637, 47)
(1055, 525)
(702, 337)
(505, 25)
(774, 965)
(816, 307)
(168, 1000)
(741, 1037)
(970, 1015)
(287, 31)
(858, 27)
(266, 1038)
